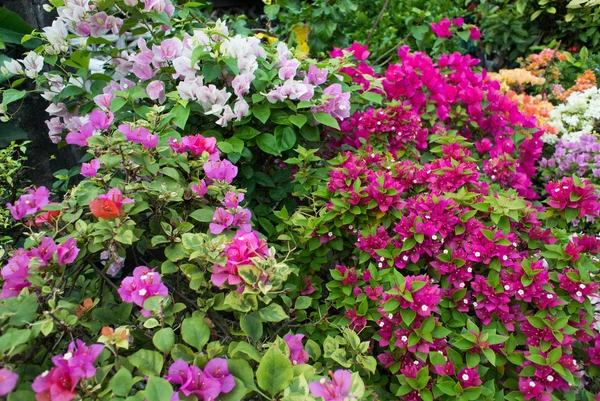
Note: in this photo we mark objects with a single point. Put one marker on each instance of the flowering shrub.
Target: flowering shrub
(421, 264)
(152, 261)
(464, 287)
(576, 117)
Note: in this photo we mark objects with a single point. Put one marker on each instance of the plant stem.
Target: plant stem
(377, 21)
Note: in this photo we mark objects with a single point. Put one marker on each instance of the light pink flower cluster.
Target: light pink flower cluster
(144, 283)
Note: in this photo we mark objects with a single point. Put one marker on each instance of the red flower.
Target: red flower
(104, 209)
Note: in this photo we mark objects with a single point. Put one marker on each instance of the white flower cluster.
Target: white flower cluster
(575, 117)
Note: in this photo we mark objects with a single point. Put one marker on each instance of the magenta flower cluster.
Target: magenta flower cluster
(206, 384)
(30, 203)
(582, 197)
(243, 247)
(144, 283)
(77, 363)
(16, 271)
(232, 215)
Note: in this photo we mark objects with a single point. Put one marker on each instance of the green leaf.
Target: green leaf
(275, 371)
(372, 97)
(285, 138)
(210, 71)
(204, 215)
(13, 27)
(9, 133)
(245, 132)
(311, 133)
(303, 302)
(180, 115)
(164, 339)
(273, 313)
(121, 382)
(241, 369)
(158, 389)
(262, 112)
(149, 363)
(12, 95)
(267, 143)
(326, 119)
(232, 64)
(252, 326)
(195, 332)
(298, 120)
(408, 316)
(117, 103)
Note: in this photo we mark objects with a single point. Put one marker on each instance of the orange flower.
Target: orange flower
(84, 307)
(104, 209)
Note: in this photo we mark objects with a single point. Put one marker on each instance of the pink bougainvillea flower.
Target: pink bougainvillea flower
(336, 389)
(90, 169)
(474, 33)
(469, 378)
(232, 199)
(222, 170)
(67, 252)
(101, 120)
(298, 355)
(144, 283)
(79, 359)
(217, 368)
(80, 137)
(30, 203)
(57, 384)
(200, 189)
(8, 381)
(222, 219)
(442, 28)
(243, 246)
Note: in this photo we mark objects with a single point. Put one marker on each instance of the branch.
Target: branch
(101, 274)
(377, 21)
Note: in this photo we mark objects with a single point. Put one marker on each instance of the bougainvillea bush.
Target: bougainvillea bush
(420, 264)
(147, 280)
(468, 284)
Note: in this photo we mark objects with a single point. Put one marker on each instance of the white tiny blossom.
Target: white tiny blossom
(465, 377)
(142, 292)
(477, 254)
(404, 339)
(550, 378)
(67, 356)
(475, 304)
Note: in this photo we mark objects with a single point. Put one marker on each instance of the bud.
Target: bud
(48, 7)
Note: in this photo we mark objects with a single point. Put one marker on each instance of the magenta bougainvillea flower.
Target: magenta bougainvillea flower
(205, 384)
(30, 203)
(243, 246)
(144, 283)
(59, 382)
(298, 355)
(566, 193)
